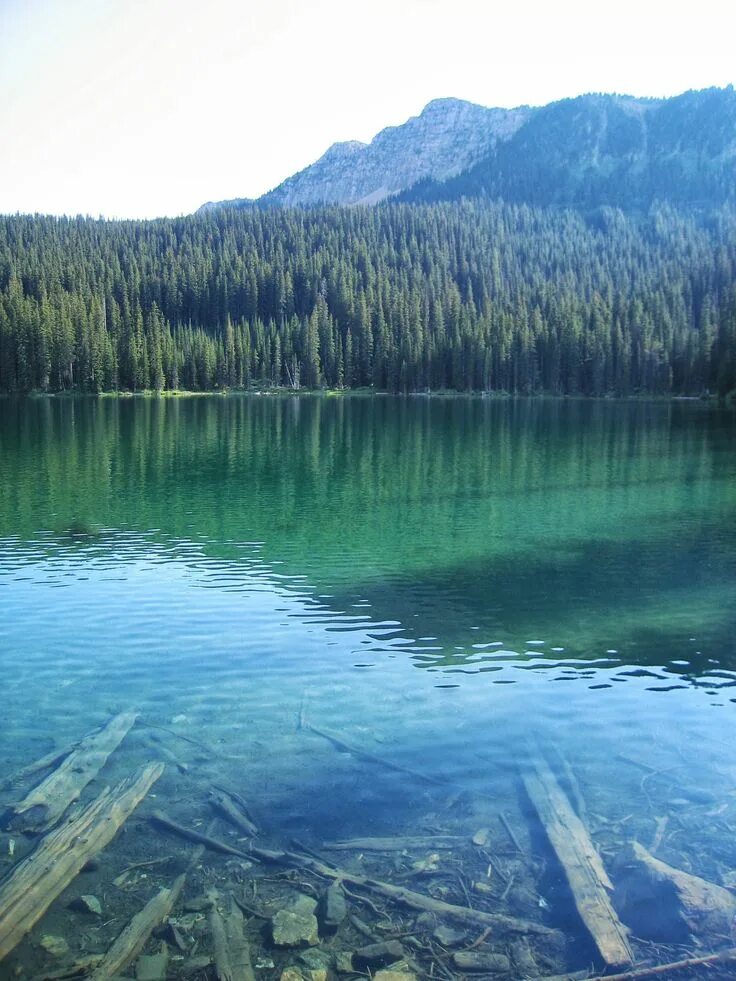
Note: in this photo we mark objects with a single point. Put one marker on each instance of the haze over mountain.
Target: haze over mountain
(587, 151)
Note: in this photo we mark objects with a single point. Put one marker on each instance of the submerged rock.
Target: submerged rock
(198, 904)
(523, 959)
(378, 955)
(196, 964)
(87, 904)
(315, 960)
(56, 946)
(291, 928)
(332, 908)
(483, 963)
(448, 936)
(152, 967)
(344, 963)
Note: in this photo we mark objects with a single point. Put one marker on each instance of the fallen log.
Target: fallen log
(689, 962)
(406, 897)
(214, 844)
(371, 757)
(397, 844)
(133, 938)
(46, 804)
(234, 808)
(232, 954)
(79, 969)
(38, 766)
(588, 880)
(160, 747)
(665, 898)
(42, 876)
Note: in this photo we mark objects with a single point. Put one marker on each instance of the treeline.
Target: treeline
(466, 296)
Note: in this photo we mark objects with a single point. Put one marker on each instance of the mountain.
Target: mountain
(599, 150)
(583, 152)
(448, 137)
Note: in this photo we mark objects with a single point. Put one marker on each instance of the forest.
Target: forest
(474, 295)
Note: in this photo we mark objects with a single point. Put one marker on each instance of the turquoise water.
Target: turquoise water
(437, 581)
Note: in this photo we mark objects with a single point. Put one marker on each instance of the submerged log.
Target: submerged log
(158, 817)
(42, 876)
(38, 766)
(688, 963)
(232, 954)
(664, 899)
(234, 808)
(588, 880)
(47, 803)
(397, 844)
(406, 897)
(372, 757)
(133, 938)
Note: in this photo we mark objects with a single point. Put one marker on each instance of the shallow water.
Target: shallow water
(449, 584)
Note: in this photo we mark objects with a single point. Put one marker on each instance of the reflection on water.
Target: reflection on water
(436, 581)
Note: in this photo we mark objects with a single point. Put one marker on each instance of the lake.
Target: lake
(456, 590)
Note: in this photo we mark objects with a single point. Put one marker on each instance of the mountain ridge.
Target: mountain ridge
(586, 151)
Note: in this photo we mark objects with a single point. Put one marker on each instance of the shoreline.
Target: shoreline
(440, 394)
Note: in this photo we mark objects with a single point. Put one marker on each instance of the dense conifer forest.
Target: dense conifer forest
(469, 296)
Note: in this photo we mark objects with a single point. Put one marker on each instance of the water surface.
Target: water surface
(450, 584)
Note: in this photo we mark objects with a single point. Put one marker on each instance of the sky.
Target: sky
(140, 108)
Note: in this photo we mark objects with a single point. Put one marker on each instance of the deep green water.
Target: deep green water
(437, 580)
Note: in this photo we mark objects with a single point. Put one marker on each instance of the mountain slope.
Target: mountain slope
(609, 150)
(584, 152)
(447, 137)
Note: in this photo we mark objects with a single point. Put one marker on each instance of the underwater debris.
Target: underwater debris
(588, 879)
(39, 879)
(47, 803)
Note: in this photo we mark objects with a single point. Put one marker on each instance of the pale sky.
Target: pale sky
(137, 108)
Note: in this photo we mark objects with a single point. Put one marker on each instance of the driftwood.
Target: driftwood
(406, 897)
(210, 750)
(160, 747)
(673, 897)
(689, 962)
(42, 876)
(371, 757)
(133, 938)
(197, 837)
(38, 766)
(81, 968)
(582, 864)
(234, 808)
(232, 954)
(396, 844)
(47, 802)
